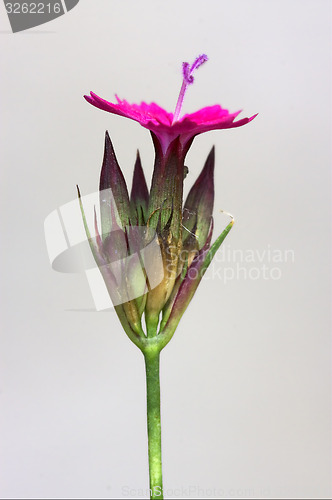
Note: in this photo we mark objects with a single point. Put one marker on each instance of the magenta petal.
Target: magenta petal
(207, 114)
(160, 122)
(142, 113)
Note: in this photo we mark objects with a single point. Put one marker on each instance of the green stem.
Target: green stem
(154, 423)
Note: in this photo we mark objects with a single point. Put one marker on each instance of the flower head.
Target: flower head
(168, 126)
(157, 220)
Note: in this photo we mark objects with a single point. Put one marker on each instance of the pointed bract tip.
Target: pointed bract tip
(78, 191)
(211, 155)
(208, 168)
(108, 143)
(138, 163)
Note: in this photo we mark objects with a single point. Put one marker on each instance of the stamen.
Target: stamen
(188, 79)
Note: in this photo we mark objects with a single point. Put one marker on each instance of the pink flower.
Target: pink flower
(168, 126)
(183, 229)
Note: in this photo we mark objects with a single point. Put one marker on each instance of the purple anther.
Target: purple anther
(188, 79)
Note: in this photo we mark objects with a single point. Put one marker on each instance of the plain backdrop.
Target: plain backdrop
(246, 379)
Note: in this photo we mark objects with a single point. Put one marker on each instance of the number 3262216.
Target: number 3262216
(33, 8)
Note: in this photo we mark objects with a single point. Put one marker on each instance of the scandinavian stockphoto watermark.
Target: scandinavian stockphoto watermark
(24, 14)
(196, 491)
(141, 261)
(265, 263)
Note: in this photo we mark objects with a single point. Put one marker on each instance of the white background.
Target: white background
(246, 379)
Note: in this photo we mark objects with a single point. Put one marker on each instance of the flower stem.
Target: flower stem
(154, 423)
